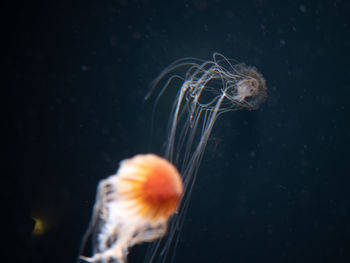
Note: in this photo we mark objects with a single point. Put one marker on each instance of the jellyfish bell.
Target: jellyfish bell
(249, 90)
(133, 206)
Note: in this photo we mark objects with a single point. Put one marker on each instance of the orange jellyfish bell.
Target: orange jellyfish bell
(151, 184)
(133, 206)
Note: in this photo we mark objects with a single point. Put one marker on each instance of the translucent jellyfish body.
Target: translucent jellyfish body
(133, 206)
(207, 90)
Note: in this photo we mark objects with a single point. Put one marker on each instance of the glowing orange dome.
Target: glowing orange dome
(151, 184)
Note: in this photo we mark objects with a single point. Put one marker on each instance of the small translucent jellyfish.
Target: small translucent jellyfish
(208, 89)
(132, 206)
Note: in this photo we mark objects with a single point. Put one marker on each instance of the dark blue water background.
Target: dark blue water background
(274, 183)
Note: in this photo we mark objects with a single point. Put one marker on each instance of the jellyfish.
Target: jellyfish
(208, 89)
(132, 206)
(147, 197)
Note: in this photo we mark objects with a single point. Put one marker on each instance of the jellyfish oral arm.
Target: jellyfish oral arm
(244, 90)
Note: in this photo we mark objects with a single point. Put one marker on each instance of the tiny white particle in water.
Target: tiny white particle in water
(282, 42)
(302, 8)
